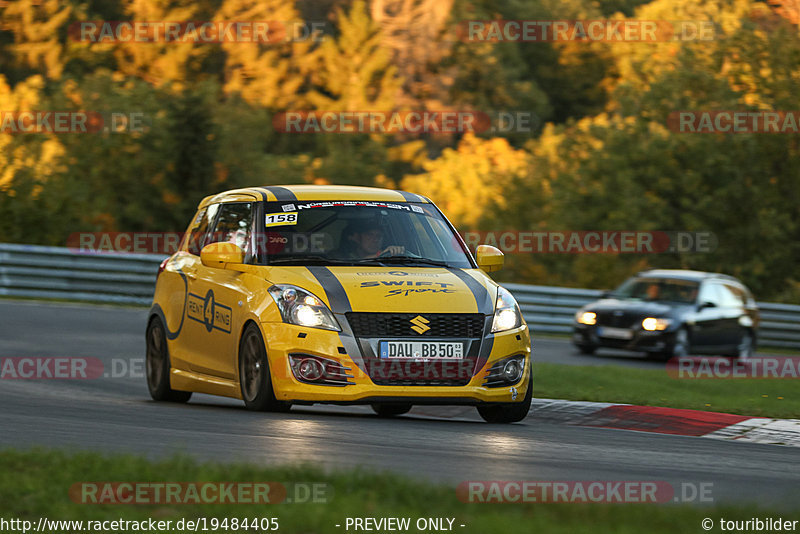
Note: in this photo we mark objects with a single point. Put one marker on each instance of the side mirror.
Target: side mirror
(489, 258)
(606, 294)
(705, 305)
(220, 255)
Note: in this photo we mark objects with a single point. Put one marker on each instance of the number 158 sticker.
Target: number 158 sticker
(281, 219)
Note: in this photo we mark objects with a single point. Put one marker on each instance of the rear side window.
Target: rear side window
(731, 297)
(196, 237)
(234, 225)
(709, 293)
(741, 293)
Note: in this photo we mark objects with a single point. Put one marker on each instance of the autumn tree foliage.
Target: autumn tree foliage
(600, 157)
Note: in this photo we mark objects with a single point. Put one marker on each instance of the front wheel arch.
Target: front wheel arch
(262, 398)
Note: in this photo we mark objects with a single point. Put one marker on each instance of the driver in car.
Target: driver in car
(653, 292)
(365, 241)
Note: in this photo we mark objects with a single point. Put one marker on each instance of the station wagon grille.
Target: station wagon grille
(376, 325)
(622, 319)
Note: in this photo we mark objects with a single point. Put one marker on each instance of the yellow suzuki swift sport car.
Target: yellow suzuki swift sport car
(340, 295)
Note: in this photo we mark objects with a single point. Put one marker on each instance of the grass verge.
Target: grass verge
(35, 484)
(779, 398)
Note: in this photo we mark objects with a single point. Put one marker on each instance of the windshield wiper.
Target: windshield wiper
(303, 260)
(404, 260)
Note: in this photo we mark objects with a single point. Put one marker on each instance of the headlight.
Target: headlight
(586, 317)
(652, 323)
(506, 312)
(300, 307)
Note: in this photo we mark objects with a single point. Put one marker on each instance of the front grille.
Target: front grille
(413, 373)
(457, 325)
(617, 319)
(436, 383)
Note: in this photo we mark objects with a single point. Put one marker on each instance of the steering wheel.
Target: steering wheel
(406, 253)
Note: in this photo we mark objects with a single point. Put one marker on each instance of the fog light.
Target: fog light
(310, 370)
(512, 371)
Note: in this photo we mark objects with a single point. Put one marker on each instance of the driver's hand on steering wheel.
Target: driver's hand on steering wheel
(393, 250)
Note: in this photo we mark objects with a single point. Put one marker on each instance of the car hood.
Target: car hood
(398, 290)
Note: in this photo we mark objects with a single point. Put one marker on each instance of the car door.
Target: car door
(185, 265)
(707, 319)
(217, 297)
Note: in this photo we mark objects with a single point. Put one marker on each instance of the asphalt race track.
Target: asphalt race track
(441, 444)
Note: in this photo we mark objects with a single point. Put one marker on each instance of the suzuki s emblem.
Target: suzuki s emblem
(420, 324)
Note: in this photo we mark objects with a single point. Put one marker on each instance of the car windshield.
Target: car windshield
(359, 233)
(658, 289)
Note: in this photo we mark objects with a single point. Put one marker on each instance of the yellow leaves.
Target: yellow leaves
(72, 92)
(464, 180)
(382, 180)
(42, 160)
(264, 74)
(35, 25)
(40, 156)
(26, 95)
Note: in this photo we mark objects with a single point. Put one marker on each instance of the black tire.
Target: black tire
(508, 413)
(391, 410)
(255, 381)
(157, 366)
(746, 347)
(681, 346)
(587, 349)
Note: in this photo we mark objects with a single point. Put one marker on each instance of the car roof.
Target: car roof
(684, 274)
(309, 192)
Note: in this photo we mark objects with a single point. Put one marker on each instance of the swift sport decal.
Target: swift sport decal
(378, 283)
(405, 290)
(213, 315)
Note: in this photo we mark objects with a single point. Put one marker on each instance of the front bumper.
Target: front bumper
(283, 339)
(641, 340)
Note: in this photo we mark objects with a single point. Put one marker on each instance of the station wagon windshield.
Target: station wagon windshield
(358, 233)
(658, 289)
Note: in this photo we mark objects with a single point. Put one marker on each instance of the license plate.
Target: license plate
(445, 350)
(616, 333)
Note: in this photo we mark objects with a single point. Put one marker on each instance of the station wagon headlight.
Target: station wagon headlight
(300, 307)
(506, 312)
(652, 323)
(586, 317)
